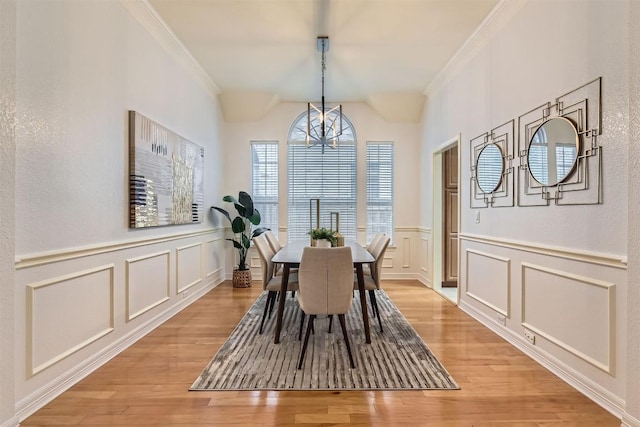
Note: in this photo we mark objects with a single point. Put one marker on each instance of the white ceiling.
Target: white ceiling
(382, 52)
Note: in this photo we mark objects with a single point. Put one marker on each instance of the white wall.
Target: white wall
(557, 270)
(403, 260)
(633, 294)
(7, 207)
(87, 286)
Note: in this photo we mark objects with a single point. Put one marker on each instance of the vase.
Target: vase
(241, 278)
(323, 243)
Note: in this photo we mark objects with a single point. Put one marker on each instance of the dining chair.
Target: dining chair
(273, 241)
(271, 283)
(374, 241)
(275, 245)
(371, 247)
(325, 288)
(372, 280)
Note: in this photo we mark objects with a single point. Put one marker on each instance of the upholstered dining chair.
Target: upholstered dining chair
(275, 245)
(372, 281)
(325, 288)
(271, 283)
(371, 248)
(374, 241)
(273, 241)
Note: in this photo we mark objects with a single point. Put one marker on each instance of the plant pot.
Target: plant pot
(241, 278)
(323, 243)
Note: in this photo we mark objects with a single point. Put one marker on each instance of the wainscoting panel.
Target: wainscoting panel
(547, 295)
(487, 280)
(424, 254)
(67, 313)
(147, 283)
(188, 266)
(406, 252)
(214, 257)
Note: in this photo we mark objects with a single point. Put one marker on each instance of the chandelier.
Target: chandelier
(324, 124)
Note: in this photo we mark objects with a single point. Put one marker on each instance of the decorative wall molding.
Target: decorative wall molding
(408, 229)
(607, 260)
(425, 244)
(608, 306)
(197, 275)
(39, 398)
(505, 311)
(12, 422)
(35, 366)
(209, 248)
(147, 16)
(38, 259)
(406, 252)
(592, 390)
(132, 313)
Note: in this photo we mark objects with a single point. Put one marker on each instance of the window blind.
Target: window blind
(264, 182)
(379, 189)
(329, 176)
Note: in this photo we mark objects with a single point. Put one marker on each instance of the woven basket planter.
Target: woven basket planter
(241, 278)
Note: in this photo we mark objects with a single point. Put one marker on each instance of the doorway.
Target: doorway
(446, 219)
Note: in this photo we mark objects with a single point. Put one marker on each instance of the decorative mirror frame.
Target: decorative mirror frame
(583, 186)
(503, 195)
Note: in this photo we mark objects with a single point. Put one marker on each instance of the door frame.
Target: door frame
(437, 216)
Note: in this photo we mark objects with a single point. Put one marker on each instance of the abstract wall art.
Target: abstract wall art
(165, 175)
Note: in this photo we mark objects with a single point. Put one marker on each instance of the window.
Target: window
(264, 182)
(379, 189)
(320, 172)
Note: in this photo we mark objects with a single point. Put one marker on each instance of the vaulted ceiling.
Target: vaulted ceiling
(381, 52)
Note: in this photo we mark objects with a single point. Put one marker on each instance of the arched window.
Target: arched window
(298, 130)
(321, 172)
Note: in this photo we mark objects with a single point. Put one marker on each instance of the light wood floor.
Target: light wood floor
(147, 384)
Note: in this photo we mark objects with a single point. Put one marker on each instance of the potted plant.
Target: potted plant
(318, 235)
(242, 226)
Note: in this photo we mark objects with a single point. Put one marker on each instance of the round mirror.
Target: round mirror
(489, 168)
(553, 151)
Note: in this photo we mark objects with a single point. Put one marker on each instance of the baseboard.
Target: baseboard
(424, 280)
(44, 395)
(11, 422)
(584, 385)
(399, 276)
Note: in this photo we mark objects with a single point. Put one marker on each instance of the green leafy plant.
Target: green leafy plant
(242, 224)
(324, 233)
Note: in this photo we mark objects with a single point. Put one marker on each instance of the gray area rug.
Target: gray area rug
(396, 359)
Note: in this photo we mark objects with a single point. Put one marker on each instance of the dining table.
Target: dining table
(290, 257)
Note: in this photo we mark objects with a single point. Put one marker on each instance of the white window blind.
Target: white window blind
(379, 189)
(328, 176)
(264, 182)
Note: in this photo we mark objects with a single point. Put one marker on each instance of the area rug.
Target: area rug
(396, 359)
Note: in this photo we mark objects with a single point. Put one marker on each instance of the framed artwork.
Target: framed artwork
(166, 177)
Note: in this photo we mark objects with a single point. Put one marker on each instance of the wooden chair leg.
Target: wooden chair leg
(330, 322)
(372, 297)
(374, 302)
(306, 340)
(273, 303)
(346, 339)
(266, 309)
(303, 315)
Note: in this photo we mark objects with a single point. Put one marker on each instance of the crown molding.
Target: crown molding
(494, 21)
(149, 18)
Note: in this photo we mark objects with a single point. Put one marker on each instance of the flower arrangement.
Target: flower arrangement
(324, 233)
